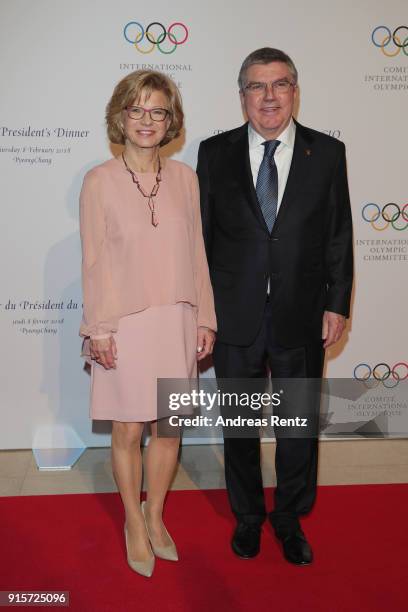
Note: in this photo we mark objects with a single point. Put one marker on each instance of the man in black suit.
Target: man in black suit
(278, 234)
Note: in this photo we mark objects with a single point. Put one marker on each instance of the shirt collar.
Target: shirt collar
(287, 137)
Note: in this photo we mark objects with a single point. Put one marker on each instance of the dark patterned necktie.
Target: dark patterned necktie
(267, 183)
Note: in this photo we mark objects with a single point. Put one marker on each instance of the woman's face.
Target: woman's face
(145, 132)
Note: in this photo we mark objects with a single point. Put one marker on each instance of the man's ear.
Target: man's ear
(242, 99)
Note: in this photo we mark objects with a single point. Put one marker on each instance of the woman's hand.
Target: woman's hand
(205, 342)
(104, 352)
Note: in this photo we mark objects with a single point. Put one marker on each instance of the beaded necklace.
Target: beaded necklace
(152, 194)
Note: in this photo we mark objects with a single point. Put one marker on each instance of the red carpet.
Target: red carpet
(75, 543)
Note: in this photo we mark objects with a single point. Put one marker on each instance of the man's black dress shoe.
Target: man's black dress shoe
(296, 549)
(246, 540)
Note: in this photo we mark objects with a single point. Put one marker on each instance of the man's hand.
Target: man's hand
(333, 327)
(205, 342)
(104, 352)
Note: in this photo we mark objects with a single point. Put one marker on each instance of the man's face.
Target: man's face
(269, 109)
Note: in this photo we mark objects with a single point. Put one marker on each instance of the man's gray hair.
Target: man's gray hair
(266, 55)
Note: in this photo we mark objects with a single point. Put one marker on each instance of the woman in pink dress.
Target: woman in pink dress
(148, 302)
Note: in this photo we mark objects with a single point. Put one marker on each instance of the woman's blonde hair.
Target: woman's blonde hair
(131, 88)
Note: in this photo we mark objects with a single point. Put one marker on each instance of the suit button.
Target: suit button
(273, 239)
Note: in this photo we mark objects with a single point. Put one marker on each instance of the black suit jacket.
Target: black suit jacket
(308, 256)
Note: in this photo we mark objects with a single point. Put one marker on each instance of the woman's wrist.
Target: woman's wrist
(205, 327)
(100, 336)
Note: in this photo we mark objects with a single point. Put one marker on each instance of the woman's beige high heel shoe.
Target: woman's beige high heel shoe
(169, 553)
(145, 568)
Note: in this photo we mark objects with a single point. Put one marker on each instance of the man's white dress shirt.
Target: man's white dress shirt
(283, 155)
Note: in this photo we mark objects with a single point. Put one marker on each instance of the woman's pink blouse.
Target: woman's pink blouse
(127, 263)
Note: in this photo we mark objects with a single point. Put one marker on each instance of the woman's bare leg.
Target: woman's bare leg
(127, 471)
(160, 462)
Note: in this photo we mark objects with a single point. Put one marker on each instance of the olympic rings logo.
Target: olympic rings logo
(379, 40)
(156, 35)
(382, 373)
(390, 214)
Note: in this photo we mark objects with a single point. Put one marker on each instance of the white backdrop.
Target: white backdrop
(59, 63)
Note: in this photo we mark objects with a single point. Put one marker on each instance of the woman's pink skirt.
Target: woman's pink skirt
(159, 342)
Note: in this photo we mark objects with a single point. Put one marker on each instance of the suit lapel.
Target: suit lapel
(241, 167)
(299, 170)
